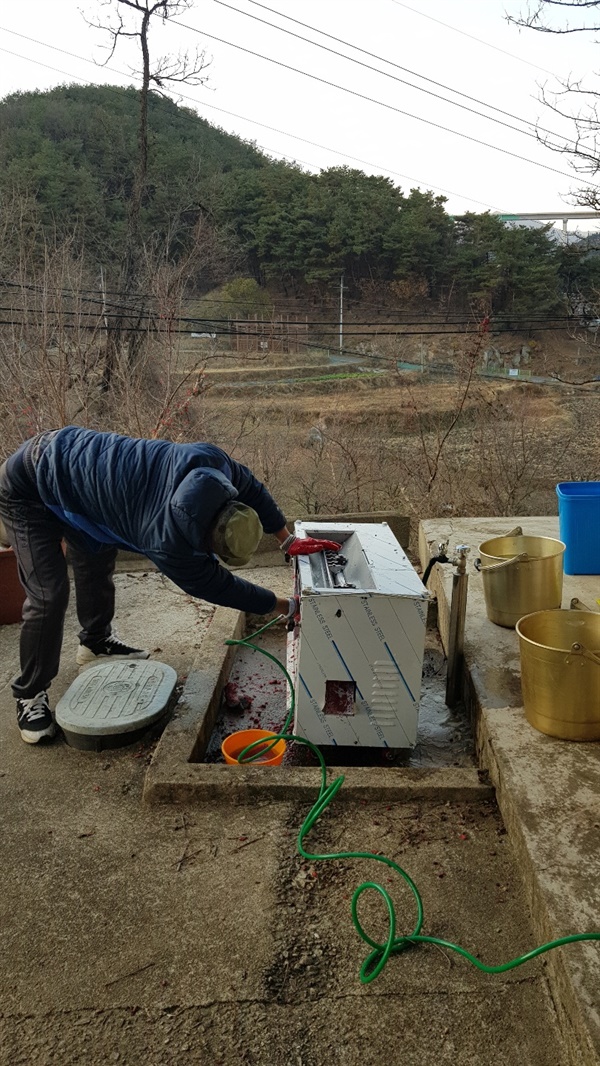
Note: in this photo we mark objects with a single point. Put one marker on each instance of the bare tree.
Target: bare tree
(570, 98)
(53, 329)
(49, 341)
(132, 19)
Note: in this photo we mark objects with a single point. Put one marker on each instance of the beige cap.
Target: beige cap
(236, 534)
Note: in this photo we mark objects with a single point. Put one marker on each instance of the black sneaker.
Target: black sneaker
(34, 719)
(106, 648)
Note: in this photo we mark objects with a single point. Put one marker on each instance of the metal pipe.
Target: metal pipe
(456, 637)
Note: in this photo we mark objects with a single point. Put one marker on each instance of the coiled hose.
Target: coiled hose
(380, 953)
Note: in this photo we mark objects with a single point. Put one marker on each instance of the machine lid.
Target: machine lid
(374, 562)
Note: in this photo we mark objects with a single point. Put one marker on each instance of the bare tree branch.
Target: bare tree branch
(157, 75)
(534, 20)
(584, 148)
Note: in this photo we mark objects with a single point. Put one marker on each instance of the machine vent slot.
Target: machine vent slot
(385, 693)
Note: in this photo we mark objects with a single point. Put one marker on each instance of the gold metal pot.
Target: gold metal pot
(520, 575)
(560, 672)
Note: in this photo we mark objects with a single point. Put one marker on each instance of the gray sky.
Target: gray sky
(464, 45)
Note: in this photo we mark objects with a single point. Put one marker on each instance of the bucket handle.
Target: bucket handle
(516, 532)
(579, 605)
(500, 566)
(587, 654)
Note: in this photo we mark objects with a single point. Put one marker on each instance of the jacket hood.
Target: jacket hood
(196, 503)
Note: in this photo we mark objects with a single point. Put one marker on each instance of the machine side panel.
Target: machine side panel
(373, 641)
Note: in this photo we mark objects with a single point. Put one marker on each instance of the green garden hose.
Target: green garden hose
(380, 953)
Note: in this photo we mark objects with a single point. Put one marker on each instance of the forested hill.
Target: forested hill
(69, 155)
(74, 149)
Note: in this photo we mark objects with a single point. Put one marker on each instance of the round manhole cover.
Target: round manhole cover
(115, 699)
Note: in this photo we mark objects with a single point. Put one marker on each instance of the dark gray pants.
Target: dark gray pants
(36, 536)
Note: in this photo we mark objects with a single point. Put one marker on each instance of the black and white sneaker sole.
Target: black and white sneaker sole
(85, 656)
(37, 736)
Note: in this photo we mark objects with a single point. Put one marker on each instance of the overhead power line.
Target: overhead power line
(386, 74)
(148, 329)
(438, 317)
(278, 322)
(463, 33)
(324, 81)
(301, 319)
(230, 325)
(381, 103)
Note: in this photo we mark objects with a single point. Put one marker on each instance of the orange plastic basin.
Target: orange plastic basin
(234, 744)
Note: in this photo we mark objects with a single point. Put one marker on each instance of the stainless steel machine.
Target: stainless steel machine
(356, 652)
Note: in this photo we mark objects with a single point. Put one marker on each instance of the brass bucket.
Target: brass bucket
(521, 575)
(560, 672)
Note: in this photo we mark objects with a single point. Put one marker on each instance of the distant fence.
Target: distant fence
(510, 372)
(276, 334)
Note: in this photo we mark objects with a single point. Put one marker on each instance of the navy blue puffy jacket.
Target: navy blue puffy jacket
(159, 499)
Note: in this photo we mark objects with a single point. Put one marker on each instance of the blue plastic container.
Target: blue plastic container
(579, 522)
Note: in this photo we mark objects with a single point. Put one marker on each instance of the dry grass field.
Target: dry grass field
(407, 441)
(348, 431)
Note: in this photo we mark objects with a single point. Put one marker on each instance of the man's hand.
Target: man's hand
(289, 609)
(309, 546)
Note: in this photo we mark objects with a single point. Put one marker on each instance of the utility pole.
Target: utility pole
(103, 290)
(341, 311)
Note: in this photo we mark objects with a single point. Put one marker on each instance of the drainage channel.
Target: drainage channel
(255, 696)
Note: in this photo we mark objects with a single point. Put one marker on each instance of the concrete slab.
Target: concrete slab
(197, 934)
(79, 873)
(548, 790)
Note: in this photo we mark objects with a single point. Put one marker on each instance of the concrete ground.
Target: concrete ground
(195, 934)
(548, 790)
